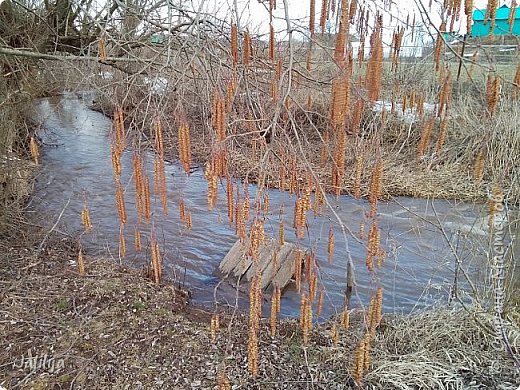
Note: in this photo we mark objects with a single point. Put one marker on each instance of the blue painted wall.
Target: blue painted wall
(479, 29)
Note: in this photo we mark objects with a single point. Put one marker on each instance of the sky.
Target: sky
(255, 14)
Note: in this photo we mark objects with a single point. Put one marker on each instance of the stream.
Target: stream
(420, 236)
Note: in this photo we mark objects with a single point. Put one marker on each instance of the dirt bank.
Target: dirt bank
(114, 328)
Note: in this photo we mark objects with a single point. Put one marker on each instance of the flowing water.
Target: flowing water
(420, 236)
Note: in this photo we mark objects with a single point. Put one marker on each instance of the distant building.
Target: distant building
(481, 27)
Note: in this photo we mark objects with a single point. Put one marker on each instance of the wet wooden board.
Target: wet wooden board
(275, 263)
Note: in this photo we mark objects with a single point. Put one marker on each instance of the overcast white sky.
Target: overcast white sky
(255, 14)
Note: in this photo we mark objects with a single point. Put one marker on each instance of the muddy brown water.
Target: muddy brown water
(419, 235)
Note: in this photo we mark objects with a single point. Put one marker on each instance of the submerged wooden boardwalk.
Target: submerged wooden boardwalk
(276, 263)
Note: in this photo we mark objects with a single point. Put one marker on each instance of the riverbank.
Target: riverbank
(115, 328)
(458, 171)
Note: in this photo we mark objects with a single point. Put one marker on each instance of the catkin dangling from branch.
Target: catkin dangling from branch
(516, 82)
(375, 62)
(491, 13)
(122, 241)
(234, 44)
(137, 240)
(330, 245)
(229, 196)
(492, 94)
(219, 116)
(255, 310)
(85, 219)
(156, 260)
(438, 47)
(425, 138)
(338, 166)
(120, 202)
(271, 42)
(275, 309)
(160, 182)
(442, 135)
(512, 13)
(185, 147)
(81, 262)
(324, 15)
(214, 327)
(247, 49)
(35, 152)
(374, 238)
(375, 186)
(312, 18)
(342, 36)
(119, 130)
(102, 49)
(468, 10)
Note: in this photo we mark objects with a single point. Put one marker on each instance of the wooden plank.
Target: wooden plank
(232, 258)
(286, 270)
(272, 269)
(275, 270)
(264, 258)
